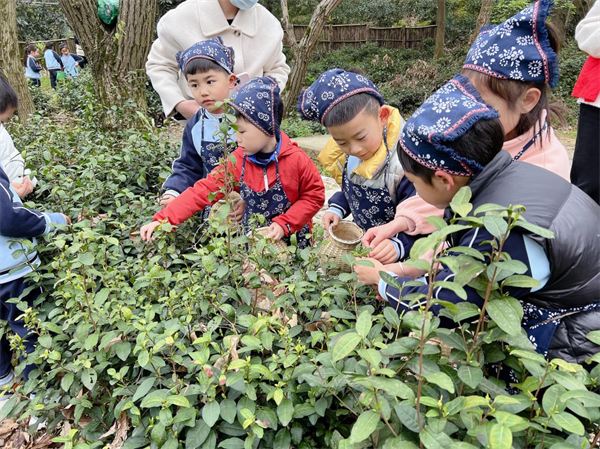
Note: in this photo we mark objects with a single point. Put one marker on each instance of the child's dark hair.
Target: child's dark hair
(49, 45)
(28, 50)
(481, 143)
(349, 108)
(63, 45)
(8, 96)
(278, 118)
(202, 65)
(511, 90)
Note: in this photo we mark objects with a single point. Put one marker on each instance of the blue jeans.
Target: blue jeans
(10, 312)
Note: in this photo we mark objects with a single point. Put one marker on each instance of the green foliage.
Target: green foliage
(37, 21)
(294, 126)
(231, 344)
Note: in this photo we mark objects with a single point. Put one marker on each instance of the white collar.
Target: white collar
(213, 21)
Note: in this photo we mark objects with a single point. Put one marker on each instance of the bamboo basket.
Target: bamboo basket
(341, 240)
(280, 246)
(233, 196)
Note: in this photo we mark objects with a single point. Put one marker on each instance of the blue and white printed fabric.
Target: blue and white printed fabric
(332, 87)
(444, 117)
(517, 49)
(212, 49)
(258, 101)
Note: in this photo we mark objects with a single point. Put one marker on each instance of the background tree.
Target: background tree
(41, 20)
(10, 57)
(117, 53)
(305, 48)
(484, 17)
(441, 29)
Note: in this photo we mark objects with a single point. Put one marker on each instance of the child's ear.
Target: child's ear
(384, 115)
(232, 79)
(446, 179)
(529, 100)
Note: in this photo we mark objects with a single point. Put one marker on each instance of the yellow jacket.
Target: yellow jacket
(333, 159)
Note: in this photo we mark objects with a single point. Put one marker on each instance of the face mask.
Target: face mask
(244, 5)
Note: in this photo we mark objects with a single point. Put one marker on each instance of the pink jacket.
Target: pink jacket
(546, 152)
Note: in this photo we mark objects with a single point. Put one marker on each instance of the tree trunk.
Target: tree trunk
(116, 53)
(303, 50)
(440, 30)
(11, 62)
(485, 14)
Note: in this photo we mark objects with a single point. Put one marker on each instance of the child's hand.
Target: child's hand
(276, 232)
(67, 219)
(147, 230)
(378, 234)
(166, 200)
(330, 219)
(239, 207)
(385, 252)
(23, 189)
(369, 275)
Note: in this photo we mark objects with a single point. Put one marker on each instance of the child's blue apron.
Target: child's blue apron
(270, 203)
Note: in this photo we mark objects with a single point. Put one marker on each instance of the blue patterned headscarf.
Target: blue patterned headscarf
(332, 87)
(444, 117)
(258, 101)
(212, 49)
(517, 49)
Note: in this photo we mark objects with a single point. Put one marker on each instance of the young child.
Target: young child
(513, 66)
(53, 63)
(17, 226)
(10, 158)
(275, 178)
(33, 70)
(70, 64)
(366, 131)
(444, 150)
(208, 68)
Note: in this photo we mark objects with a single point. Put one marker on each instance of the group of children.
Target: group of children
(66, 63)
(395, 174)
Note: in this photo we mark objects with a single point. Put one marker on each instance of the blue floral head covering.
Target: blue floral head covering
(517, 49)
(331, 88)
(212, 49)
(258, 101)
(444, 117)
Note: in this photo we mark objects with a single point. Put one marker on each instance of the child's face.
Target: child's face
(252, 140)
(65, 51)
(361, 136)
(6, 115)
(211, 87)
(442, 189)
(35, 53)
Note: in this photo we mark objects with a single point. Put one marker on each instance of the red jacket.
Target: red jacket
(299, 176)
(588, 83)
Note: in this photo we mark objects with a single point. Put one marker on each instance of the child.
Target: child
(351, 108)
(71, 66)
(10, 158)
(18, 226)
(53, 63)
(518, 88)
(33, 71)
(208, 68)
(275, 178)
(444, 150)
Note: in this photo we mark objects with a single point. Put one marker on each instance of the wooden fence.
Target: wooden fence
(338, 36)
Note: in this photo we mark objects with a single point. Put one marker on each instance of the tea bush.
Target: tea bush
(204, 339)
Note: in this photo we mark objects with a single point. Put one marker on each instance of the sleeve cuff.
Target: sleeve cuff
(52, 220)
(175, 193)
(335, 210)
(400, 253)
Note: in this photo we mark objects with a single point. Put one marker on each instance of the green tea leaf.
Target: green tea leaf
(197, 435)
(285, 411)
(364, 426)
(500, 437)
(211, 412)
(345, 345)
(363, 324)
(442, 380)
(495, 225)
(568, 422)
(505, 316)
(408, 417)
(143, 389)
(470, 375)
(228, 410)
(178, 400)
(594, 337)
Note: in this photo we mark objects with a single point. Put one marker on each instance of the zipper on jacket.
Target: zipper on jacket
(266, 179)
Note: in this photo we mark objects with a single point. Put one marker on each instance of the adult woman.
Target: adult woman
(254, 33)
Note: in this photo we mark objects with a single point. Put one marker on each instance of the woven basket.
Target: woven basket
(341, 240)
(233, 196)
(280, 245)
